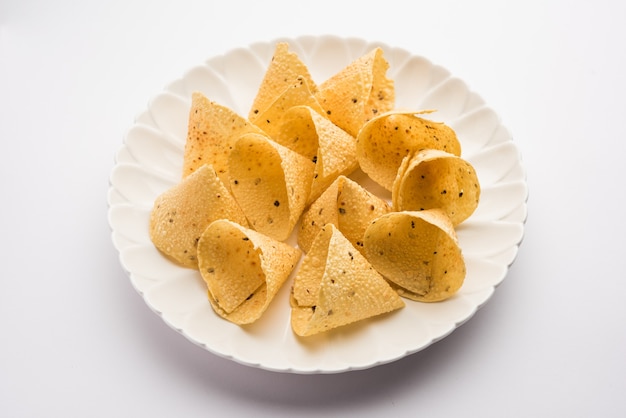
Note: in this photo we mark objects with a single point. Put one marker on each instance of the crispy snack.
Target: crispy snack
(336, 286)
(385, 140)
(418, 253)
(212, 131)
(282, 72)
(297, 94)
(433, 179)
(346, 205)
(358, 92)
(247, 182)
(271, 184)
(181, 213)
(243, 269)
(333, 150)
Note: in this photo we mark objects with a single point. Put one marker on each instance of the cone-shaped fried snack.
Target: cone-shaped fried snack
(332, 149)
(433, 179)
(297, 94)
(385, 140)
(271, 184)
(243, 269)
(345, 204)
(336, 286)
(418, 253)
(282, 72)
(181, 213)
(358, 92)
(212, 131)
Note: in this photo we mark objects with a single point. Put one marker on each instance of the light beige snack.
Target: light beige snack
(385, 140)
(433, 179)
(283, 71)
(358, 92)
(346, 205)
(181, 213)
(243, 269)
(336, 286)
(418, 253)
(333, 150)
(212, 131)
(270, 182)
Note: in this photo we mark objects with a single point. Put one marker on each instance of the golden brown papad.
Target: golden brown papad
(212, 131)
(282, 72)
(432, 179)
(243, 269)
(358, 92)
(271, 184)
(336, 286)
(332, 149)
(181, 213)
(385, 140)
(345, 204)
(418, 253)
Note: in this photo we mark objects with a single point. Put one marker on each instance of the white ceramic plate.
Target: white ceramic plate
(150, 161)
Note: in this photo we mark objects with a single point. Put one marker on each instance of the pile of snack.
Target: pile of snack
(250, 182)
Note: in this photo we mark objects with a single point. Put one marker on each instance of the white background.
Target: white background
(78, 341)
